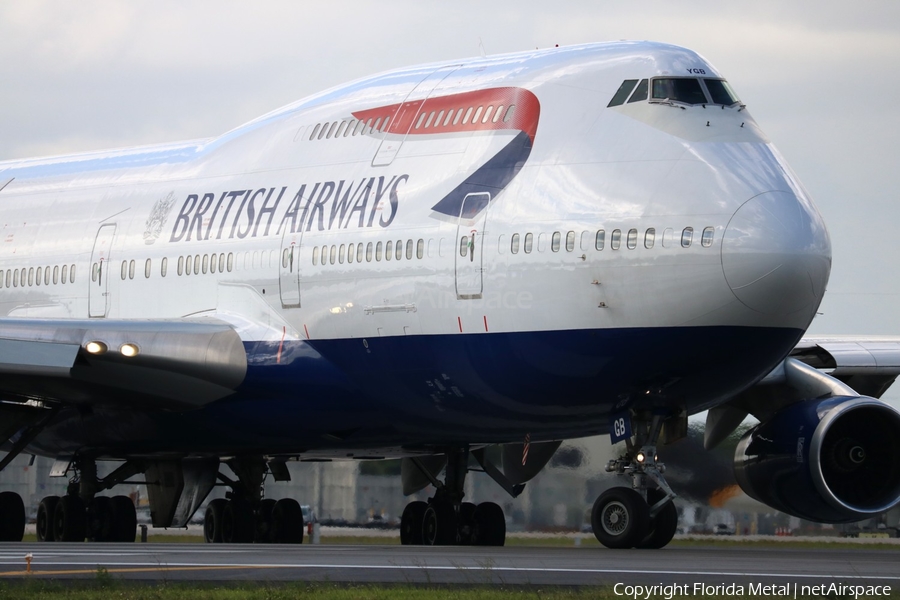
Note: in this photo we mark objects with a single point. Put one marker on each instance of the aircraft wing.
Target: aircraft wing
(867, 364)
(817, 367)
(175, 364)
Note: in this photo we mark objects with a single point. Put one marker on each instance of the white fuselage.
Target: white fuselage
(639, 217)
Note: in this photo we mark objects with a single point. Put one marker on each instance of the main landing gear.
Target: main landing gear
(640, 516)
(245, 516)
(445, 520)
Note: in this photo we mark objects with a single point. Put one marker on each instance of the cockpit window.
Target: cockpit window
(720, 92)
(623, 92)
(640, 93)
(678, 89)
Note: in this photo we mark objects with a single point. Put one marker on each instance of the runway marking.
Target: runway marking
(147, 567)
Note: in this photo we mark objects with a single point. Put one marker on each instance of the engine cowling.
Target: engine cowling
(833, 461)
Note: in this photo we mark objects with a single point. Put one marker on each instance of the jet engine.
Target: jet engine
(835, 460)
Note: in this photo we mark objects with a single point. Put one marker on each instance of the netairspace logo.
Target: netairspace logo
(788, 590)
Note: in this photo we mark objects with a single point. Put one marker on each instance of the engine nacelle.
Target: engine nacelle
(832, 461)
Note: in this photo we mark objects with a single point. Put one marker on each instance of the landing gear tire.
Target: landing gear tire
(439, 525)
(44, 526)
(12, 517)
(212, 521)
(100, 524)
(70, 520)
(237, 523)
(287, 522)
(411, 523)
(663, 525)
(620, 518)
(467, 526)
(264, 521)
(490, 525)
(124, 519)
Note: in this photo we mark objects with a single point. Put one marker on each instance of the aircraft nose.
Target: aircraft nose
(776, 254)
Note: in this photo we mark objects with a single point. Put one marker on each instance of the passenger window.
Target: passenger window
(632, 239)
(38, 278)
(459, 114)
(230, 261)
(63, 274)
(420, 249)
(359, 252)
(30, 276)
(468, 114)
(570, 241)
(419, 122)
(679, 89)
(369, 252)
(600, 240)
(197, 264)
(46, 275)
(389, 250)
(124, 269)
(409, 249)
(315, 131)
(131, 270)
(378, 252)
(529, 242)
(315, 257)
(514, 244)
(332, 256)
(554, 241)
(147, 268)
(341, 254)
(477, 114)
(351, 250)
(487, 114)
(622, 93)
(686, 237)
(15, 278)
(649, 238)
(640, 93)
(464, 246)
(616, 239)
(668, 237)
(398, 247)
(164, 266)
(509, 113)
(55, 276)
(205, 263)
(1, 279)
(707, 238)
(497, 114)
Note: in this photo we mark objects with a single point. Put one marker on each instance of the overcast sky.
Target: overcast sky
(821, 79)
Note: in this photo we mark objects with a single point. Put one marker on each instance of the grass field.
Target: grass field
(103, 587)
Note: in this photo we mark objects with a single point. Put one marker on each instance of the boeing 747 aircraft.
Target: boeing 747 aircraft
(454, 264)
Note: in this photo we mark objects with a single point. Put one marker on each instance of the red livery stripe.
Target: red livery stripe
(507, 108)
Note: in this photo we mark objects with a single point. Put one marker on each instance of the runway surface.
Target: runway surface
(467, 565)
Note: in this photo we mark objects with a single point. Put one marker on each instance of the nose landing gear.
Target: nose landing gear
(640, 516)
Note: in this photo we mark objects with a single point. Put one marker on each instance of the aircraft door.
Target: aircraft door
(289, 269)
(406, 116)
(98, 296)
(469, 251)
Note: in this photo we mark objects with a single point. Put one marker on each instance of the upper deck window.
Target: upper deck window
(720, 92)
(678, 89)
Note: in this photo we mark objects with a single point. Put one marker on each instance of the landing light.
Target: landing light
(640, 457)
(96, 347)
(129, 350)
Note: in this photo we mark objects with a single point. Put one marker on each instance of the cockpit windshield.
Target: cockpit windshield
(668, 90)
(678, 89)
(720, 92)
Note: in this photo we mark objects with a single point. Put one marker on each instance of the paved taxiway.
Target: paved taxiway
(405, 564)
